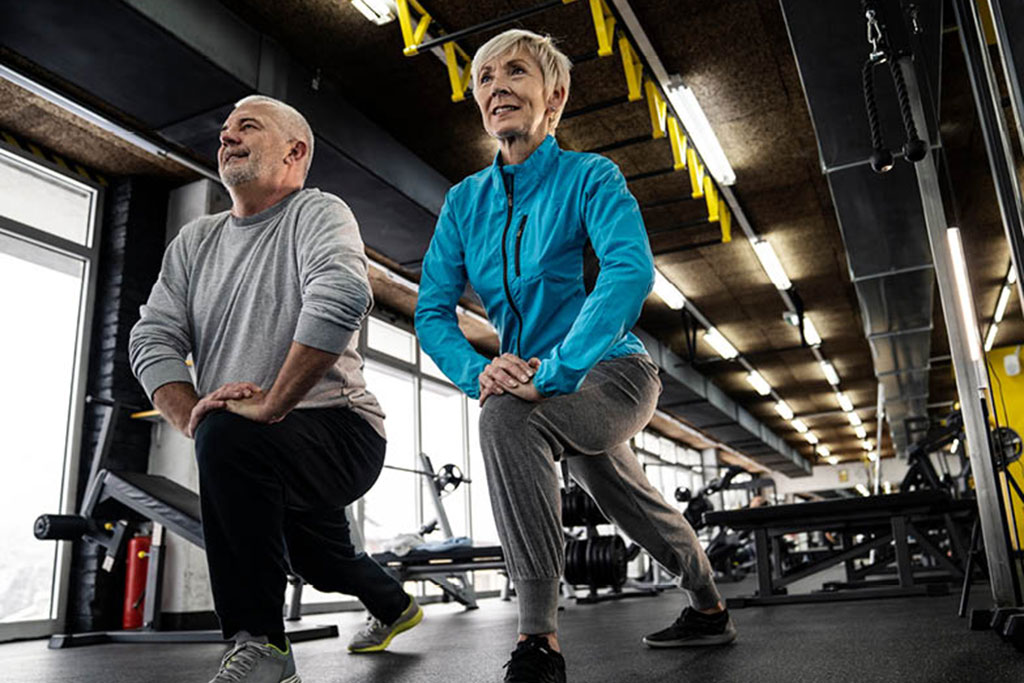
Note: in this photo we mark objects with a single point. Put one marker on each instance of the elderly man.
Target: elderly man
(268, 299)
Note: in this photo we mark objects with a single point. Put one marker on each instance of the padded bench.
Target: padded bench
(932, 520)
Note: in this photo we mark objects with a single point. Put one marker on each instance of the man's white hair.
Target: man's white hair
(293, 124)
(554, 65)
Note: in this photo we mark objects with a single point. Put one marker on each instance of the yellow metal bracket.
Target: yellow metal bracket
(678, 140)
(633, 67)
(604, 25)
(711, 199)
(696, 174)
(658, 108)
(412, 36)
(457, 75)
(725, 222)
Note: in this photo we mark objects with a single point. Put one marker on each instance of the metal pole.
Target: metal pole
(967, 377)
(1011, 53)
(879, 416)
(993, 125)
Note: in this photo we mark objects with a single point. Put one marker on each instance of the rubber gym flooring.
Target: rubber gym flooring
(905, 640)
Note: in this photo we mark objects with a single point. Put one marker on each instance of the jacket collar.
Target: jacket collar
(528, 173)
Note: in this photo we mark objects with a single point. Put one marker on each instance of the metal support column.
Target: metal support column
(968, 380)
(993, 125)
(1008, 20)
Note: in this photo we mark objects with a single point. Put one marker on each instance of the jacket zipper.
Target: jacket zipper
(519, 243)
(509, 181)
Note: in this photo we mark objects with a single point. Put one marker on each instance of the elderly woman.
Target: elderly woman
(572, 381)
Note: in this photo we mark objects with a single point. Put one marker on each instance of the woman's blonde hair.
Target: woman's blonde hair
(554, 65)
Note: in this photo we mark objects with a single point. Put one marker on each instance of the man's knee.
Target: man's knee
(221, 439)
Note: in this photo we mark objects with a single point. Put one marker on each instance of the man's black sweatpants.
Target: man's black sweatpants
(276, 493)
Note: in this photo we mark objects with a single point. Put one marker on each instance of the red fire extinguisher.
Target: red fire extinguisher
(135, 581)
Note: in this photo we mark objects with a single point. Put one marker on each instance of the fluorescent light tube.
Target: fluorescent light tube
(861, 432)
(811, 437)
(854, 419)
(955, 445)
(720, 344)
(1004, 298)
(771, 264)
(811, 335)
(862, 490)
(668, 292)
(990, 338)
(758, 382)
(844, 402)
(799, 425)
(700, 133)
(963, 290)
(830, 373)
(824, 451)
(783, 409)
(1011, 277)
(873, 456)
(867, 445)
(834, 460)
(374, 10)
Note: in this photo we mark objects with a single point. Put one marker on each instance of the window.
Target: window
(45, 200)
(390, 506)
(390, 340)
(443, 430)
(47, 252)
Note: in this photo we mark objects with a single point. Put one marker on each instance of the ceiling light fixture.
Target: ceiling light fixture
(1011, 277)
(758, 382)
(699, 130)
(783, 409)
(811, 335)
(799, 425)
(376, 11)
(1004, 298)
(990, 338)
(860, 432)
(668, 292)
(867, 445)
(862, 490)
(963, 290)
(830, 373)
(824, 451)
(834, 460)
(770, 262)
(854, 419)
(873, 456)
(844, 402)
(720, 344)
(812, 438)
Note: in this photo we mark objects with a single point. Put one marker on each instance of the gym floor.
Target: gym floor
(906, 640)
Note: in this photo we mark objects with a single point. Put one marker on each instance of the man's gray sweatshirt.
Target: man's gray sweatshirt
(235, 292)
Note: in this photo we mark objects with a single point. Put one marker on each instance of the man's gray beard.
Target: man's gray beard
(240, 174)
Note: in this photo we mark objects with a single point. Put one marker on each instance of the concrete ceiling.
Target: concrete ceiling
(737, 59)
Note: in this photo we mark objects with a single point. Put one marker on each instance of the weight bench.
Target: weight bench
(933, 520)
(440, 568)
(142, 498)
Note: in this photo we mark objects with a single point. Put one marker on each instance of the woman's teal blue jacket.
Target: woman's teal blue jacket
(517, 234)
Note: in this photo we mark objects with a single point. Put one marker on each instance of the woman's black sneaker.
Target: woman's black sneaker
(695, 629)
(533, 661)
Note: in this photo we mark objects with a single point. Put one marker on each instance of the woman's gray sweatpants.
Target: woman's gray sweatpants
(521, 442)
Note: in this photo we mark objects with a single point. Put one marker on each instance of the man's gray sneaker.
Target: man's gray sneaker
(253, 662)
(377, 635)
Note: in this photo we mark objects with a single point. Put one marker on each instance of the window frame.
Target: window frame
(89, 254)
